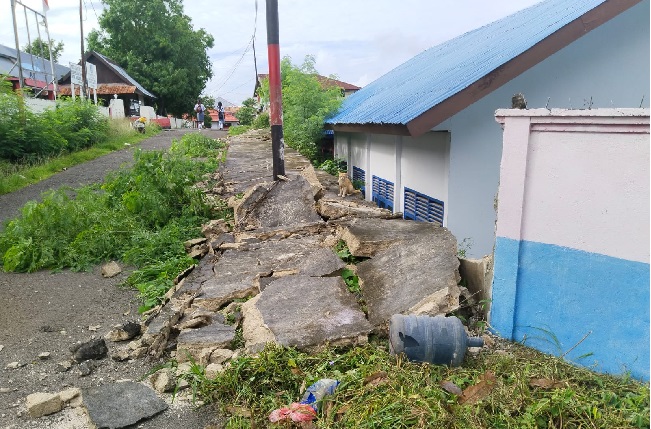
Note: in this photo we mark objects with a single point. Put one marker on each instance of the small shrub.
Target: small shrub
(261, 121)
(236, 130)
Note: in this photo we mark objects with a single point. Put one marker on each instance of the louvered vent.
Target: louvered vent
(383, 193)
(359, 175)
(422, 207)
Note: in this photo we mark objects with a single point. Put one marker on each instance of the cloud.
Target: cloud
(357, 40)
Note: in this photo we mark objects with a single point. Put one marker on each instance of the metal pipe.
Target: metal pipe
(20, 64)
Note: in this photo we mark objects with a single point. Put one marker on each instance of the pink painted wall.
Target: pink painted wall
(578, 179)
(571, 261)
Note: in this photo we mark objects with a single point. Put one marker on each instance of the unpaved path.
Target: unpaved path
(49, 312)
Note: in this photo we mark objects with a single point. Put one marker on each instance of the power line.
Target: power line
(239, 61)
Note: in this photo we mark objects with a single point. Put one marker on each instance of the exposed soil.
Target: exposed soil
(49, 312)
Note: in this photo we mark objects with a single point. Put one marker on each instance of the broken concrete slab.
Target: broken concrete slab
(322, 312)
(193, 342)
(416, 276)
(310, 175)
(117, 405)
(237, 273)
(478, 274)
(367, 237)
(332, 209)
(277, 204)
(41, 404)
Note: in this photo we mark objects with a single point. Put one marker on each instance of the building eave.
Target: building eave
(391, 129)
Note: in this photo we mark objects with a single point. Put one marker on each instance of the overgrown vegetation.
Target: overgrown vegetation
(307, 103)
(377, 390)
(26, 136)
(141, 215)
(334, 166)
(37, 145)
(16, 175)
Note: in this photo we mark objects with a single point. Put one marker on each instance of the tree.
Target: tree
(39, 48)
(247, 112)
(154, 41)
(306, 104)
(208, 101)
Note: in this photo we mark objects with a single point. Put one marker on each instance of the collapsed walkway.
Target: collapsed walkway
(274, 273)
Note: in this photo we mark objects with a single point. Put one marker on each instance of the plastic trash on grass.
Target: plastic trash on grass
(306, 410)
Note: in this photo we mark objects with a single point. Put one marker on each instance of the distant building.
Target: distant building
(37, 72)
(113, 82)
(346, 88)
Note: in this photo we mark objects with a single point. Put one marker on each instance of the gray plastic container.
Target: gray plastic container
(439, 340)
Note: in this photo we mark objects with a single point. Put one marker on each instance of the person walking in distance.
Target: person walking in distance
(220, 115)
(199, 108)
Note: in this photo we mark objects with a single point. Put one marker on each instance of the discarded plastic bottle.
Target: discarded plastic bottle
(316, 392)
(439, 340)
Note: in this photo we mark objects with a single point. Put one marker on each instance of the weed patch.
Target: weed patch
(28, 170)
(140, 215)
(378, 390)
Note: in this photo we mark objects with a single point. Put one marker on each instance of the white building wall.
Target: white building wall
(608, 67)
(383, 157)
(425, 166)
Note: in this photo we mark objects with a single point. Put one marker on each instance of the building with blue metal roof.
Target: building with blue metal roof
(424, 140)
(424, 136)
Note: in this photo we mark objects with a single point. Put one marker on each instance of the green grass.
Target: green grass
(140, 215)
(16, 176)
(378, 390)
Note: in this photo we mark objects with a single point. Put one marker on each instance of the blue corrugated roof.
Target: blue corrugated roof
(125, 75)
(40, 70)
(440, 72)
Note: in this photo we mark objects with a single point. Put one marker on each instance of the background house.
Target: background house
(572, 248)
(346, 88)
(114, 85)
(37, 72)
(423, 136)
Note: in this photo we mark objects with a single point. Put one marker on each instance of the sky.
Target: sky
(356, 41)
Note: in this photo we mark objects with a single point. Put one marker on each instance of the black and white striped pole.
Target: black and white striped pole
(275, 93)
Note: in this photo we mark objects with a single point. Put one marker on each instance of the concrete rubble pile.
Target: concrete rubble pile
(272, 275)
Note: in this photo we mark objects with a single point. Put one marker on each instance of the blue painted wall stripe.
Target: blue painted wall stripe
(553, 296)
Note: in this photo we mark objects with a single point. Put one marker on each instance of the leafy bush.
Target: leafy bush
(261, 121)
(333, 166)
(307, 103)
(140, 215)
(69, 127)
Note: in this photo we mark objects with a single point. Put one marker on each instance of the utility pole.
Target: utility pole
(20, 64)
(275, 93)
(82, 88)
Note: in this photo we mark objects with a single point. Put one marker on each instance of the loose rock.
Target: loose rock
(111, 269)
(41, 404)
(124, 332)
(93, 349)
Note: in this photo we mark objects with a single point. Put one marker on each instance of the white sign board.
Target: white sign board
(75, 74)
(91, 75)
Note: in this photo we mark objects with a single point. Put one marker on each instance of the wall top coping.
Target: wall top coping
(640, 113)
